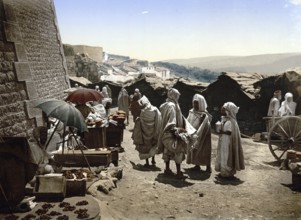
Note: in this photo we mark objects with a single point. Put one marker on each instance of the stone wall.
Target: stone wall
(32, 63)
(70, 65)
(86, 67)
(96, 53)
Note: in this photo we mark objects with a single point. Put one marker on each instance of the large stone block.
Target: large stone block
(31, 90)
(23, 71)
(9, 11)
(30, 109)
(20, 52)
(12, 32)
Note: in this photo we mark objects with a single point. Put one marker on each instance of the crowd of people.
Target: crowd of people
(166, 131)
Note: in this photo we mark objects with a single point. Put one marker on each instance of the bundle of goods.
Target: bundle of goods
(76, 181)
(98, 122)
(291, 154)
(118, 116)
(77, 174)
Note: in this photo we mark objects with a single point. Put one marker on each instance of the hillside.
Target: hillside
(264, 64)
(194, 73)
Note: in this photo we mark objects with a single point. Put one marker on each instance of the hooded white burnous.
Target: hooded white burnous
(288, 106)
(146, 129)
(230, 156)
(172, 142)
(200, 151)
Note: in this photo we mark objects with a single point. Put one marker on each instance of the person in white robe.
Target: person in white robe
(123, 102)
(200, 152)
(104, 92)
(107, 101)
(109, 90)
(274, 104)
(175, 133)
(146, 131)
(230, 156)
(288, 106)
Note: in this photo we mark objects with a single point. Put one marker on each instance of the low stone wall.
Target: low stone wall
(86, 67)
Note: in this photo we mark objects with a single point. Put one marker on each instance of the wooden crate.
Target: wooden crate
(114, 135)
(50, 187)
(76, 159)
(76, 187)
(95, 138)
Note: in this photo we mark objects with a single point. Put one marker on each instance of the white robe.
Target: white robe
(146, 132)
(287, 108)
(273, 107)
(123, 102)
(173, 148)
(200, 151)
(222, 156)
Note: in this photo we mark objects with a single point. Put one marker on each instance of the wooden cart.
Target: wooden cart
(284, 133)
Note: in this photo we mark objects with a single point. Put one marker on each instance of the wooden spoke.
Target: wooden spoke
(283, 153)
(278, 148)
(280, 126)
(277, 133)
(289, 128)
(295, 130)
(298, 134)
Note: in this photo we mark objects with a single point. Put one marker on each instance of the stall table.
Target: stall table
(74, 158)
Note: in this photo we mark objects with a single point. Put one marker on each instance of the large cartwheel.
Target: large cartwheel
(284, 135)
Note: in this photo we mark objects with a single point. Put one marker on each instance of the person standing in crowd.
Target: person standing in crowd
(107, 101)
(288, 106)
(104, 92)
(134, 106)
(274, 104)
(229, 158)
(175, 133)
(200, 152)
(146, 131)
(97, 88)
(123, 102)
(109, 90)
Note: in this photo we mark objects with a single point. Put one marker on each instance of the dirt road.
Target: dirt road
(262, 191)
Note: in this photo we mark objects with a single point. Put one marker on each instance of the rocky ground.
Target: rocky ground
(262, 191)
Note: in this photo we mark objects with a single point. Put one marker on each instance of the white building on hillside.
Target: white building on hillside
(157, 71)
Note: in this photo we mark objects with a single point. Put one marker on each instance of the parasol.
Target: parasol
(83, 95)
(64, 112)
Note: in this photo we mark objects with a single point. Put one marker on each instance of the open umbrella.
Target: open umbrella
(83, 95)
(64, 112)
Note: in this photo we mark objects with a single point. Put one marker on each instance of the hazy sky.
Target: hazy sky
(168, 29)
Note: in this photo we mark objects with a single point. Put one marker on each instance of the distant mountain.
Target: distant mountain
(264, 64)
(194, 73)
